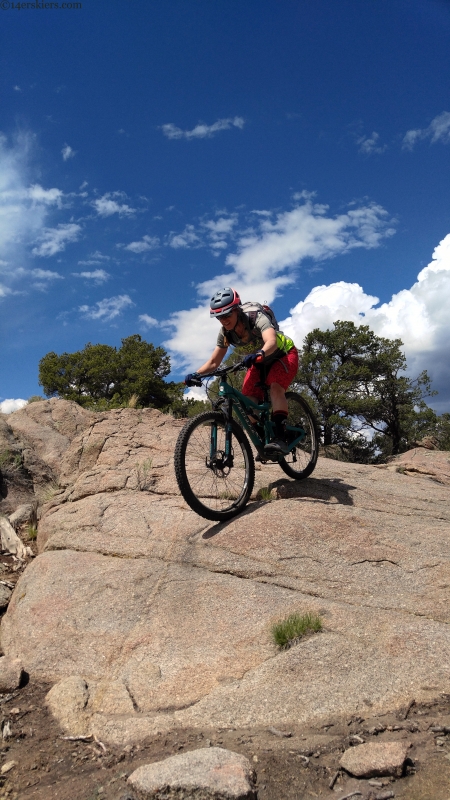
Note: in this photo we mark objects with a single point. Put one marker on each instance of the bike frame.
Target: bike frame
(230, 398)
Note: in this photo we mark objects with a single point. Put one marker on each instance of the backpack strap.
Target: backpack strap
(251, 317)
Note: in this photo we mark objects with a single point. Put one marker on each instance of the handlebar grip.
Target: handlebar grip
(195, 382)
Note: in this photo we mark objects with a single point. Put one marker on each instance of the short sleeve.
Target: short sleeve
(262, 322)
(221, 340)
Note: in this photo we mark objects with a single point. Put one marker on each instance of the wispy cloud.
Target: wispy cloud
(188, 238)
(267, 257)
(46, 275)
(47, 197)
(142, 246)
(54, 240)
(97, 276)
(67, 152)
(371, 144)
(202, 131)
(107, 309)
(218, 230)
(4, 290)
(23, 208)
(108, 204)
(437, 131)
(94, 258)
(147, 321)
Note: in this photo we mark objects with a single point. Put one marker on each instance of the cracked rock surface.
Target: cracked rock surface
(164, 619)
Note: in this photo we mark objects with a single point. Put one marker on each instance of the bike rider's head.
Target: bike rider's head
(225, 307)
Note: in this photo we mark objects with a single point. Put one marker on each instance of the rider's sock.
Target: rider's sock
(279, 423)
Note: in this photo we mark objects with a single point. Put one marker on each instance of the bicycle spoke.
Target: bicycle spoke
(206, 480)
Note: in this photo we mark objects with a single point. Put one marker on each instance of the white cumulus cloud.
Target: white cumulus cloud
(202, 131)
(418, 316)
(437, 131)
(8, 406)
(108, 204)
(107, 309)
(54, 240)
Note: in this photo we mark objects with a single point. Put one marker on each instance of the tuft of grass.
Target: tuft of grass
(228, 495)
(48, 492)
(289, 631)
(10, 461)
(401, 469)
(265, 494)
(31, 532)
(133, 401)
(144, 475)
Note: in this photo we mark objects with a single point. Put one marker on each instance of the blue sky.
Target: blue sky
(154, 151)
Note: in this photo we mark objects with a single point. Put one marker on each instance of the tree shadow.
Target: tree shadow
(320, 490)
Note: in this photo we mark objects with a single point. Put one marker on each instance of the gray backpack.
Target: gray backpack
(253, 309)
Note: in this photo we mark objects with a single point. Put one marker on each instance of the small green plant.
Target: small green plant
(31, 532)
(48, 492)
(35, 398)
(10, 461)
(5, 458)
(401, 469)
(289, 631)
(143, 475)
(265, 494)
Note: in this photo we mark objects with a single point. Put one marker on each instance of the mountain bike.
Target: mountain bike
(214, 463)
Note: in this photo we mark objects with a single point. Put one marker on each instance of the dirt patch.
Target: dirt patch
(301, 764)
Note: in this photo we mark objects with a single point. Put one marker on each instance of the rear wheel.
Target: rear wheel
(300, 462)
(215, 487)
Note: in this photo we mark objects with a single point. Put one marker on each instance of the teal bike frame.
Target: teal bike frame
(229, 399)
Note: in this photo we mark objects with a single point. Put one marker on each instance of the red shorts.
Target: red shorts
(282, 372)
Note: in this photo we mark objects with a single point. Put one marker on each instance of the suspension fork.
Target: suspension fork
(227, 411)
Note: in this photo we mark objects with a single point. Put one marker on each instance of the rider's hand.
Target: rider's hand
(191, 378)
(253, 358)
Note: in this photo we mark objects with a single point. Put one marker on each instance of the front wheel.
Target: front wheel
(300, 462)
(213, 484)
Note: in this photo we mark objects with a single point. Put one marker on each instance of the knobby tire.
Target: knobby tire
(306, 452)
(215, 495)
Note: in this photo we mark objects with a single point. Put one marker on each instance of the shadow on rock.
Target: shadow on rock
(321, 490)
(324, 490)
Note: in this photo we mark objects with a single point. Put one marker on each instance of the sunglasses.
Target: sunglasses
(225, 316)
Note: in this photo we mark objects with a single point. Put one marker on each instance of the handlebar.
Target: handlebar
(217, 373)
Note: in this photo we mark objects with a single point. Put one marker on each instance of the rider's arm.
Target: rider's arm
(269, 337)
(215, 361)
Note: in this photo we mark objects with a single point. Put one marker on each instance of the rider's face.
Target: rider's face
(229, 320)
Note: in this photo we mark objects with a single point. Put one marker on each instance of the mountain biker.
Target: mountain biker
(274, 351)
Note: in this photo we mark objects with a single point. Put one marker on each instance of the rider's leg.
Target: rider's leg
(279, 378)
(278, 398)
(279, 411)
(251, 390)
